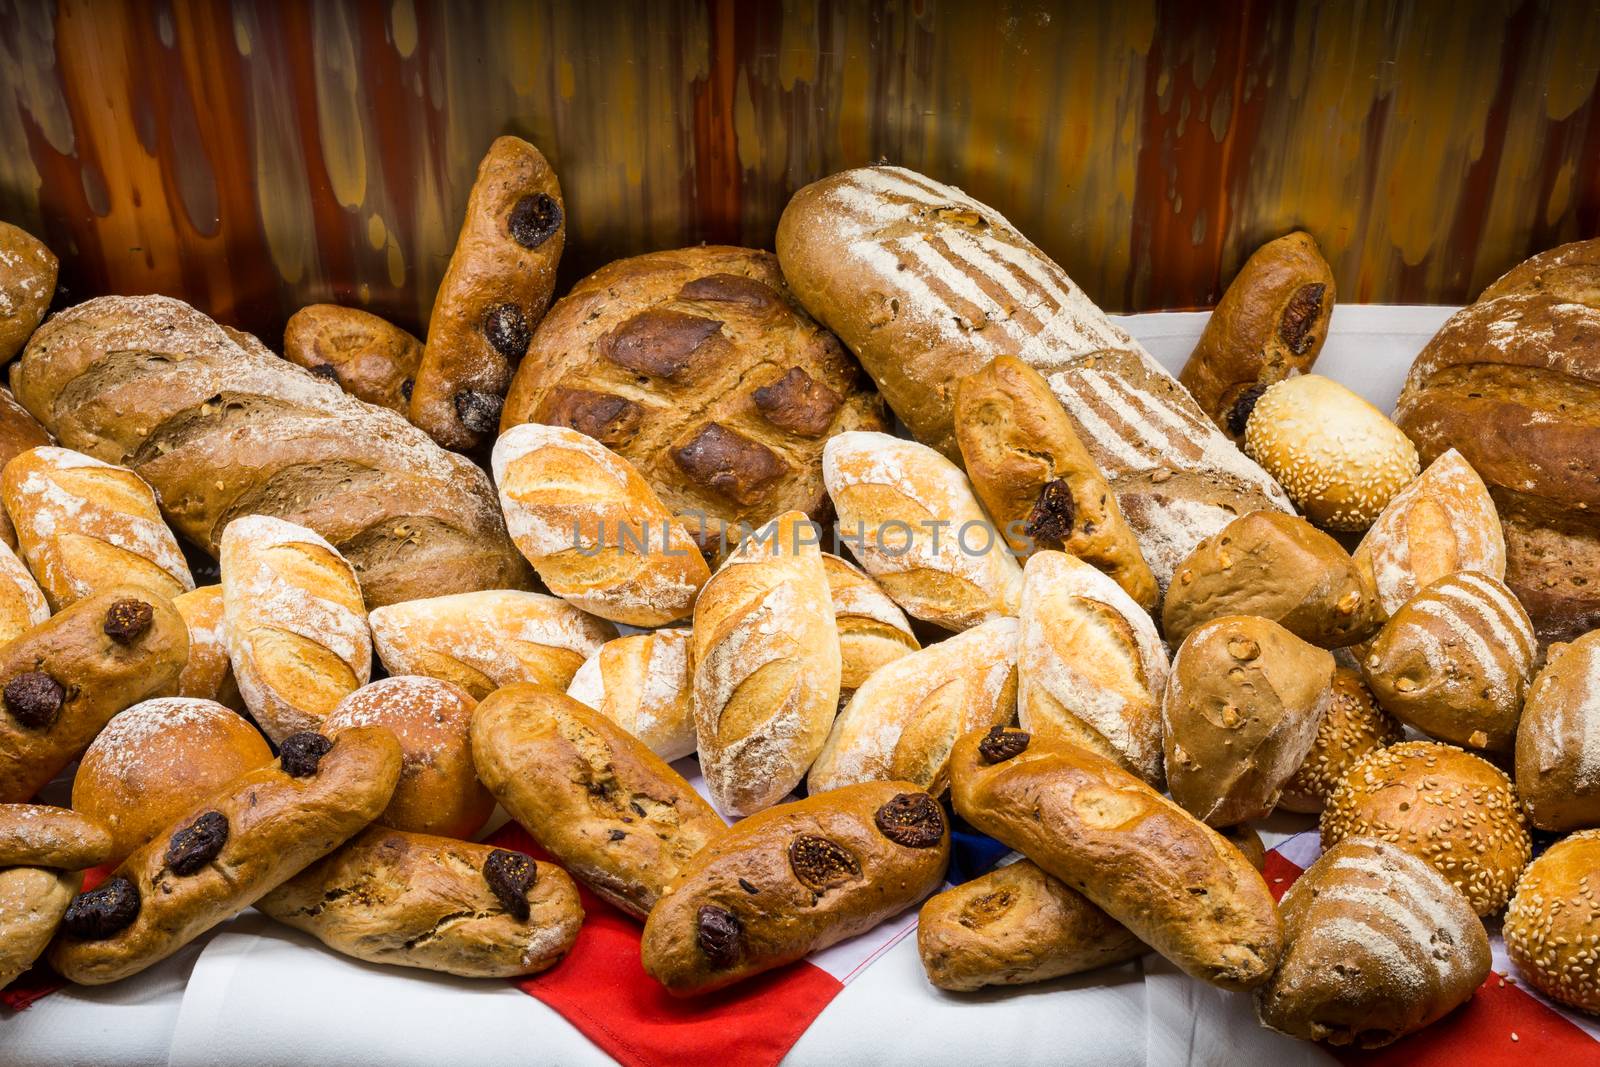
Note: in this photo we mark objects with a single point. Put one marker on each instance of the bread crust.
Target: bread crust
(644, 683)
(19, 431)
(208, 674)
(27, 282)
(1558, 739)
(371, 359)
(22, 602)
(1352, 726)
(38, 835)
(873, 631)
(32, 901)
(1552, 927)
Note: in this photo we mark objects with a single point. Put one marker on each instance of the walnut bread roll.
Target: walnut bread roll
(227, 852)
(1552, 927)
(795, 879)
(32, 902)
(602, 804)
(38, 835)
(413, 900)
(1174, 882)
(1558, 739)
(371, 359)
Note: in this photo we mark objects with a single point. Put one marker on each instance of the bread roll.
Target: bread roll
(296, 623)
(1248, 842)
(642, 683)
(1352, 726)
(1090, 666)
(602, 804)
(1451, 808)
(38, 835)
(371, 359)
(413, 900)
(84, 525)
(1552, 927)
(902, 721)
(1379, 945)
(27, 282)
(594, 529)
(22, 603)
(1035, 478)
(1174, 882)
(438, 792)
(1015, 925)
(208, 675)
(873, 630)
(226, 853)
(1454, 662)
(795, 879)
(157, 760)
(1558, 739)
(910, 518)
(32, 901)
(766, 666)
(19, 431)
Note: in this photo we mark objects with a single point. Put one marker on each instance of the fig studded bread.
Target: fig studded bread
(643, 683)
(22, 602)
(208, 674)
(873, 630)
(27, 282)
(220, 427)
(1552, 927)
(371, 359)
(1558, 739)
(38, 835)
(32, 902)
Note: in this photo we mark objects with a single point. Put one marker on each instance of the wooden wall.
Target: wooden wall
(253, 157)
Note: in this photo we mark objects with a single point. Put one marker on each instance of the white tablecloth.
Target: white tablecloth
(254, 993)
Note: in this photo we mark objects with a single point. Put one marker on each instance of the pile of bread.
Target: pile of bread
(1101, 615)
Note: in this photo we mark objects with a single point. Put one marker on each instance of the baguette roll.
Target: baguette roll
(642, 683)
(873, 630)
(38, 835)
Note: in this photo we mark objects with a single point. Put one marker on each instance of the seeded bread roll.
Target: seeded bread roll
(1552, 927)
(643, 683)
(413, 900)
(1352, 726)
(902, 721)
(496, 289)
(1090, 666)
(602, 804)
(37, 835)
(1379, 945)
(19, 431)
(1447, 806)
(296, 623)
(208, 675)
(63, 680)
(484, 640)
(1454, 662)
(873, 630)
(32, 901)
(157, 760)
(1016, 925)
(22, 602)
(795, 879)
(1037, 481)
(27, 282)
(370, 358)
(1558, 739)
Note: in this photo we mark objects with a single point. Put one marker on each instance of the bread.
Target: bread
(926, 284)
(1379, 945)
(84, 525)
(1016, 925)
(794, 879)
(1552, 927)
(483, 640)
(133, 381)
(19, 431)
(226, 853)
(1242, 837)
(594, 529)
(1441, 523)
(158, 759)
(1090, 667)
(911, 520)
(439, 792)
(27, 282)
(418, 901)
(37, 835)
(1279, 567)
(643, 683)
(1239, 715)
(1454, 662)
(370, 358)
(872, 629)
(296, 623)
(62, 681)
(699, 367)
(602, 804)
(208, 675)
(1037, 481)
(32, 901)
(496, 289)
(1352, 726)
(1171, 880)
(1558, 739)
(1270, 324)
(1447, 806)
(903, 720)
(22, 602)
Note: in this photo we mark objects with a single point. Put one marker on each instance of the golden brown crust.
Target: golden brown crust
(370, 358)
(27, 282)
(208, 674)
(22, 602)
(1352, 726)
(643, 683)
(873, 631)
(19, 431)
(37, 835)
(32, 901)
(1552, 927)
(1558, 739)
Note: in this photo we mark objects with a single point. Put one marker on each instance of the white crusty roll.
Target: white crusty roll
(593, 528)
(642, 683)
(484, 640)
(911, 518)
(84, 525)
(1090, 667)
(872, 628)
(901, 724)
(22, 603)
(296, 623)
(766, 666)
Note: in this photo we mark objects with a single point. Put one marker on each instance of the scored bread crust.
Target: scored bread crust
(643, 683)
(1558, 739)
(873, 630)
(208, 674)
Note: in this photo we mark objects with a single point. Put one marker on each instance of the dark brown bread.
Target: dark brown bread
(37, 835)
(371, 358)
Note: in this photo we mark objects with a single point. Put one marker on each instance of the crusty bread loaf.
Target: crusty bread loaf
(911, 519)
(38, 835)
(1090, 667)
(27, 282)
(873, 630)
(903, 720)
(643, 683)
(1558, 739)
(220, 427)
(593, 528)
(296, 623)
(484, 640)
(19, 431)
(765, 651)
(32, 901)
(208, 675)
(84, 525)
(371, 359)
(1352, 726)
(1552, 927)
(22, 602)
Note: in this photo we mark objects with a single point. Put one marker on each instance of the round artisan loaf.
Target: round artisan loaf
(158, 759)
(642, 683)
(1558, 739)
(27, 282)
(1552, 927)
(1447, 806)
(370, 358)
(1352, 726)
(700, 367)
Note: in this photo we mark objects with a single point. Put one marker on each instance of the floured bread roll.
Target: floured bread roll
(642, 683)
